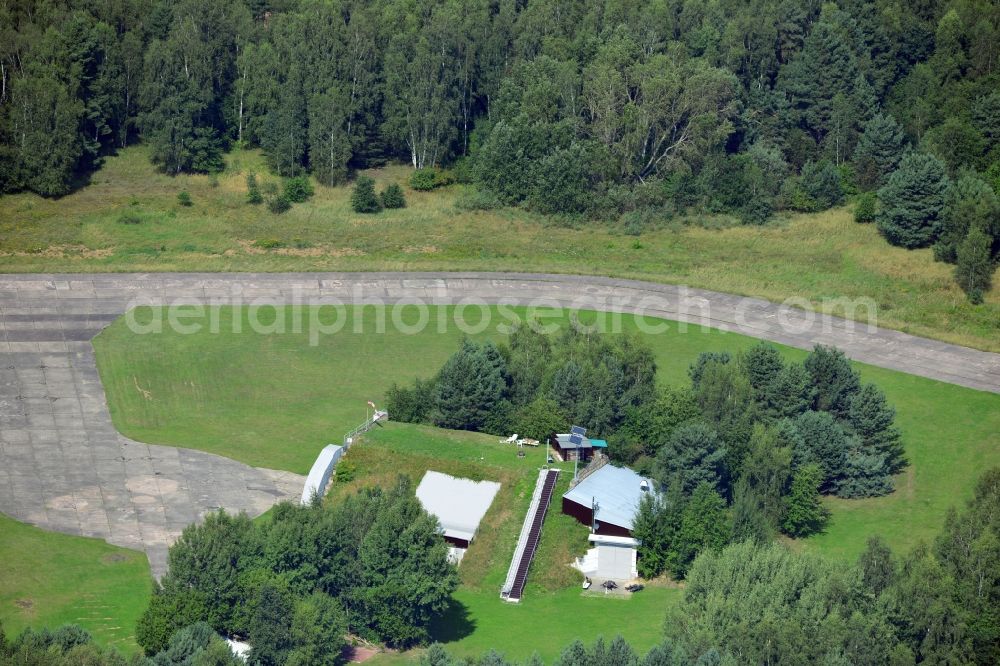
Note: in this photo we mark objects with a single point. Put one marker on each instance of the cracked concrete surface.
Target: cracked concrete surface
(63, 466)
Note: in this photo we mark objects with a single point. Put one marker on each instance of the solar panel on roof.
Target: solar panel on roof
(578, 430)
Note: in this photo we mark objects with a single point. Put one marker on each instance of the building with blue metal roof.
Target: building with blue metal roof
(607, 500)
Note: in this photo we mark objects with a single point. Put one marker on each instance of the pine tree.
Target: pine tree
(470, 385)
(912, 201)
(879, 151)
(392, 196)
(789, 394)
(834, 379)
(804, 510)
(824, 443)
(866, 473)
(363, 198)
(825, 67)
(872, 419)
(970, 202)
(762, 363)
(974, 269)
(694, 455)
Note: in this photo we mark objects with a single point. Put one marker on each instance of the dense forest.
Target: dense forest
(618, 109)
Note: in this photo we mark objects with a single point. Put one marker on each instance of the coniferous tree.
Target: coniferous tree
(821, 184)
(823, 443)
(974, 268)
(834, 379)
(879, 150)
(694, 455)
(912, 201)
(470, 385)
(970, 203)
(865, 473)
(392, 196)
(363, 198)
(762, 362)
(789, 393)
(872, 419)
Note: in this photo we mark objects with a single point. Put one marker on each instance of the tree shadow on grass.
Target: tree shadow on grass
(454, 624)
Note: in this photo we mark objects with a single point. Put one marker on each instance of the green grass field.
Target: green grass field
(49, 579)
(813, 257)
(275, 401)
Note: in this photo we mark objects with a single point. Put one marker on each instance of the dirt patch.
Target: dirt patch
(64, 251)
(357, 654)
(421, 249)
(24, 604)
(318, 251)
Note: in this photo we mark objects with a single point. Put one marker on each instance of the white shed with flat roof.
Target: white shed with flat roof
(458, 504)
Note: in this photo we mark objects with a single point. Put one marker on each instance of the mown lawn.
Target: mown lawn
(48, 579)
(811, 257)
(275, 401)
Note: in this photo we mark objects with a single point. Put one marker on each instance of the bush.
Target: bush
(363, 198)
(345, 472)
(268, 243)
(477, 199)
(298, 189)
(129, 217)
(635, 222)
(757, 210)
(821, 182)
(278, 204)
(392, 196)
(253, 190)
(184, 199)
(563, 182)
(865, 208)
(430, 179)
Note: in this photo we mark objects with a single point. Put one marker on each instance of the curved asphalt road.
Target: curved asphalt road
(65, 468)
